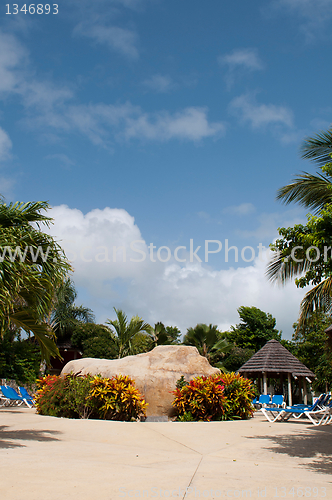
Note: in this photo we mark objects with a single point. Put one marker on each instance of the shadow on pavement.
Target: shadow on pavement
(10, 438)
(312, 442)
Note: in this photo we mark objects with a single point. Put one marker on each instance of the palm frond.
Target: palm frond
(319, 298)
(318, 148)
(281, 270)
(310, 191)
(43, 333)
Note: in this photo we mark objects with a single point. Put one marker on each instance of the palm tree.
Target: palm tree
(207, 340)
(125, 331)
(309, 190)
(32, 265)
(66, 314)
(315, 193)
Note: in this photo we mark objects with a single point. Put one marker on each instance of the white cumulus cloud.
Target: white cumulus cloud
(181, 294)
(260, 115)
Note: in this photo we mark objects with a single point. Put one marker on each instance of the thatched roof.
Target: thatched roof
(274, 358)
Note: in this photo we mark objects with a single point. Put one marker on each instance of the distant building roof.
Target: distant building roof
(274, 358)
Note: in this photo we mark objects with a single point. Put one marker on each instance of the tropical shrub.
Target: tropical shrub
(219, 397)
(201, 399)
(64, 396)
(84, 396)
(116, 398)
(239, 393)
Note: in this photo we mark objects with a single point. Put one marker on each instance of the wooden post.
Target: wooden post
(265, 383)
(305, 394)
(289, 389)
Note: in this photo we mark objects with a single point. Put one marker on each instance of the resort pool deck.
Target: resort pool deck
(47, 458)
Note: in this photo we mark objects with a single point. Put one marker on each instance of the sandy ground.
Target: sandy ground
(46, 458)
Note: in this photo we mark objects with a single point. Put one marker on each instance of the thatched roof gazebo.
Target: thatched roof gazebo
(274, 361)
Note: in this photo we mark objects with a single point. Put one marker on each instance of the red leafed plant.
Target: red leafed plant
(201, 399)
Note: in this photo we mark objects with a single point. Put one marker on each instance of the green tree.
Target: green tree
(208, 340)
(236, 357)
(19, 359)
(124, 332)
(32, 265)
(313, 192)
(311, 348)
(255, 329)
(161, 335)
(95, 341)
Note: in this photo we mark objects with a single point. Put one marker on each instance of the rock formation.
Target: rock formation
(155, 372)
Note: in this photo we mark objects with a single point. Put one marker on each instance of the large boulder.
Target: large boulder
(154, 372)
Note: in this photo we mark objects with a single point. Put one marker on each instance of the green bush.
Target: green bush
(64, 396)
(239, 392)
(86, 396)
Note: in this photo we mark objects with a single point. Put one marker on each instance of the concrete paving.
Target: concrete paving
(47, 458)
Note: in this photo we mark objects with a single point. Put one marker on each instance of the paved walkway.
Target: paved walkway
(46, 458)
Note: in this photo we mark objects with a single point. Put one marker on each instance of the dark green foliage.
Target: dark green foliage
(255, 329)
(311, 348)
(181, 382)
(236, 357)
(19, 360)
(95, 341)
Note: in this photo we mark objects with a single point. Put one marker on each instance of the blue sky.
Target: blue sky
(165, 122)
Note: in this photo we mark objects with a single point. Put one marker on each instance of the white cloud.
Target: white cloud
(177, 294)
(5, 145)
(12, 56)
(6, 186)
(260, 115)
(245, 58)
(49, 106)
(242, 209)
(62, 158)
(159, 83)
(314, 14)
(119, 39)
(103, 123)
(239, 62)
(190, 123)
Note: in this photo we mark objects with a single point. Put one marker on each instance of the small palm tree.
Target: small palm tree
(207, 340)
(66, 315)
(125, 331)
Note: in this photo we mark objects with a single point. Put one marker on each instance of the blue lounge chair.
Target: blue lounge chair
(11, 398)
(26, 396)
(316, 413)
(264, 399)
(278, 400)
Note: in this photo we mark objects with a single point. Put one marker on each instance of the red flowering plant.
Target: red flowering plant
(64, 396)
(201, 399)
